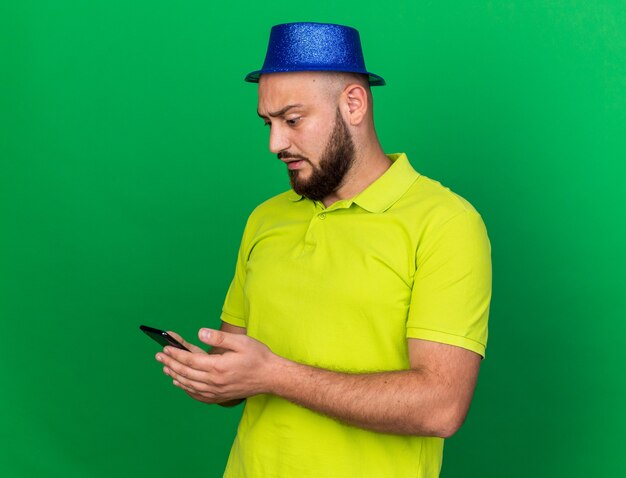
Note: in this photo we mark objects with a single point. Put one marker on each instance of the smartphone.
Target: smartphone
(162, 337)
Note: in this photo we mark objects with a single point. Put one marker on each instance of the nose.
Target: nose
(279, 141)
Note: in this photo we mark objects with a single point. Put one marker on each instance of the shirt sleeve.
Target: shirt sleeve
(452, 284)
(235, 308)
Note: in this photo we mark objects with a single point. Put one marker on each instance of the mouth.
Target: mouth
(295, 164)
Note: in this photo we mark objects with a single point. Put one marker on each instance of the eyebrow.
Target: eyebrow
(280, 112)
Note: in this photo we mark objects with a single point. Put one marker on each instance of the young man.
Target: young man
(357, 318)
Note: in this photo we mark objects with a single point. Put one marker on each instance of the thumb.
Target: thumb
(219, 339)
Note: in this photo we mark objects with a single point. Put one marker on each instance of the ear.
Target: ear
(355, 97)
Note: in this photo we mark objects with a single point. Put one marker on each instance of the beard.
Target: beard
(336, 160)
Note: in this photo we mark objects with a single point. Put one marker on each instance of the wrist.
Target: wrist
(279, 373)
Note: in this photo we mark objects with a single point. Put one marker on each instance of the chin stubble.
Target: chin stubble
(335, 162)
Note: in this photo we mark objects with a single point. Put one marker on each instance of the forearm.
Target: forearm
(430, 399)
(411, 402)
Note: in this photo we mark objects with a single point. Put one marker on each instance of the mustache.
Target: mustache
(288, 155)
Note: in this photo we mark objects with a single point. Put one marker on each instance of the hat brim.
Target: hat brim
(374, 80)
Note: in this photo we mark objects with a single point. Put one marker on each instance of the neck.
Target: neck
(369, 164)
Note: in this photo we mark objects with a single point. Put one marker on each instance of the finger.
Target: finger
(186, 388)
(221, 339)
(174, 357)
(207, 397)
(182, 370)
(192, 348)
(201, 397)
(186, 383)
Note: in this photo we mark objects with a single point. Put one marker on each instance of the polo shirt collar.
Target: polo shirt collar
(386, 190)
(294, 196)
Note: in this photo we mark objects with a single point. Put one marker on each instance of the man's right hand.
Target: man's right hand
(214, 350)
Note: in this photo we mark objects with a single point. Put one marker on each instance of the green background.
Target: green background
(131, 155)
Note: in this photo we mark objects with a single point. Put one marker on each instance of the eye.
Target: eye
(267, 123)
(293, 121)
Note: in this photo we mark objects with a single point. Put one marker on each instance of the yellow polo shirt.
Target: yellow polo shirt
(342, 288)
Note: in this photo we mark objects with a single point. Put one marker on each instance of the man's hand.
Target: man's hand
(242, 369)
